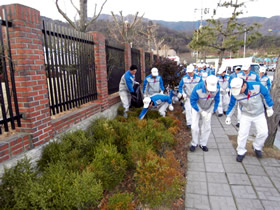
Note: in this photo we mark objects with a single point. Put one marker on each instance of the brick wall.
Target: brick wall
(31, 84)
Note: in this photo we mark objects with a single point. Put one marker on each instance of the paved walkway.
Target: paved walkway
(216, 181)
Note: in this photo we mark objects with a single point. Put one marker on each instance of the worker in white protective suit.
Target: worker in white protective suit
(223, 81)
(204, 99)
(159, 102)
(153, 83)
(186, 86)
(252, 97)
(126, 88)
(265, 80)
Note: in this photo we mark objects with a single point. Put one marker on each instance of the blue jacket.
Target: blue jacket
(203, 100)
(157, 100)
(127, 82)
(187, 84)
(251, 102)
(223, 83)
(153, 85)
(251, 77)
(199, 73)
(266, 81)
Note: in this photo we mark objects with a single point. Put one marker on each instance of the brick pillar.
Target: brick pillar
(142, 62)
(30, 77)
(101, 69)
(127, 56)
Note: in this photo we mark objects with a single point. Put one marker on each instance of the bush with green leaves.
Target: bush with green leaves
(120, 201)
(60, 188)
(74, 149)
(16, 184)
(108, 165)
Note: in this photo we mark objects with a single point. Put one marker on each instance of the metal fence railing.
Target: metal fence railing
(115, 66)
(135, 60)
(8, 96)
(69, 62)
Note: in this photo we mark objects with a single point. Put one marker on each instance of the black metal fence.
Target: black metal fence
(115, 66)
(8, 96)
(69, 62)
(135, 60)
(155, 58)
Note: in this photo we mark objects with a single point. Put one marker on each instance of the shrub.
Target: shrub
(108, 165)
(121, 201)
(74, 149)
(60, 188)
(15, 185)
(158, 180)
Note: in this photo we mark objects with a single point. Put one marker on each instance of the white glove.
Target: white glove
(184, 96)
(227, 90)
(179, 95)
(204, 114)
(161, 92)
(171, 108)
(269, 112)
(228, 121)
(137, 83)
(208, 116)
(145, 95)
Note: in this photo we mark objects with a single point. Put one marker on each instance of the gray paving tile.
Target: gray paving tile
(227, 145)
(273, 171)
(271, 205)
(238, 179)
(192, 166)
(250, 160)
(240, 191)
(195, 158)
(248, 204)
(214, 167)
(223, 139)
(217, 189)
(212, 145)
(221, 203)
(268, 193)
(196, 176)
(194, 201)
(260, 181)
(270, 162)
(197, 152)
(276, 182)
(255, 170)
(212, 152)
(216, 178)
(195, 187)
(228, 152)
(228, 159)
(234, 168)
(213, 159)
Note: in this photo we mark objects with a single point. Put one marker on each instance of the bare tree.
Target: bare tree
(83, 22)
(273, 121)
(125, 32)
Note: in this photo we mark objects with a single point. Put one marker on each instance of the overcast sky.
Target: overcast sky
(168, 10)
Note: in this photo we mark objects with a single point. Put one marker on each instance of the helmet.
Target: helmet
(262, 69)
(236, 85)
(154, 72)
(211, 83)
(190, 68)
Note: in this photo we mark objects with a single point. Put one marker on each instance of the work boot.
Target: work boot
(220, 115)
(192, 148)
(204, 148)
(189, 126)
(237, 125)
(239, 158)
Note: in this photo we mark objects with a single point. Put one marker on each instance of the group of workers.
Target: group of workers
(205, 92)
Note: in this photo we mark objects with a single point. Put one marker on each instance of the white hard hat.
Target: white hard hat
(236, 85)
(190, 68)
(170, 107)
(245, 67)
(211, 83)
(154, 72)
(204, 74)
(146, 101)
(262, 69)
(221, 70)
(200, 65)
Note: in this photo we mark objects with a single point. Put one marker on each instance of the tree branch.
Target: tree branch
(65, 16)
(96, 16)
(78, 11)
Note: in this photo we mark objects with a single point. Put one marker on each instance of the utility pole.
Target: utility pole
(244, 51)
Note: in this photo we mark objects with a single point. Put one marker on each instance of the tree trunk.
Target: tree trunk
(272, 122)
(221, 55)
(83, 15)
